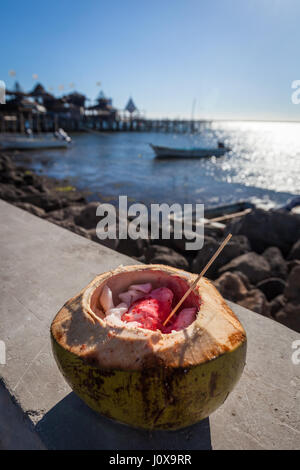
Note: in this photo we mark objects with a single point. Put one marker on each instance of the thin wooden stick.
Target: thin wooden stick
(212, 259)
(230, 216)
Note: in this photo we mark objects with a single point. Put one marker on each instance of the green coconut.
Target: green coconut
(146, 378)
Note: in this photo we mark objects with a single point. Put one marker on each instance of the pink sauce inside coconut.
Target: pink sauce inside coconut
(148, 308)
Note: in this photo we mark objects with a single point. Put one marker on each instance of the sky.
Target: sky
(234, 59)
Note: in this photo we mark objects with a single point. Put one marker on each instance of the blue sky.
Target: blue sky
(237, 58)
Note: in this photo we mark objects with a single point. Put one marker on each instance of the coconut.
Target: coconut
(147, 378)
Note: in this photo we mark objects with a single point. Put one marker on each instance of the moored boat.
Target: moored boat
(170, 152)
(32, 144)
(59, 139)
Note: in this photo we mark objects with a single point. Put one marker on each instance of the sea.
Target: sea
(262, 166)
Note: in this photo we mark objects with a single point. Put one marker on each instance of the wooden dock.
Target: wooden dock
(15, 123)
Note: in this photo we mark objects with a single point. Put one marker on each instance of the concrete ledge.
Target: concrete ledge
(42, 265)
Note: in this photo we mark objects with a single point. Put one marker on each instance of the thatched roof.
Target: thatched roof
(38, 90)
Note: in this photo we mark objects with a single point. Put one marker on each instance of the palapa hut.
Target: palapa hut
(103, 114)
(21, 111)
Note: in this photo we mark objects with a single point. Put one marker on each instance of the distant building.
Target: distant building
(103, 109)
(130, 106)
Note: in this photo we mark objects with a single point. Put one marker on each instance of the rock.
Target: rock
(30, 208)
(46, 201)
(113, 244)
(295, 251)
(204, 255)
(231, 286)
(277, 304)
(277, 263)
(245, 280)
(31, 190)
(67, 213)
(257, 302)
(292, 264)
(10, 193)
(271, 287)
(87, 217)
(31, 179)
(131, 247)
(180, 244)
(292, 290)
(9, 176)
(237, 246)
(267, 228)
(57, 215)
(141, 259)
(290, 316)
(252, 265)
(6, 163)
(71, 226)
(157, 254)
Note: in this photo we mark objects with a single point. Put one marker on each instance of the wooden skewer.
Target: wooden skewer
(229, 216)
(212, 259)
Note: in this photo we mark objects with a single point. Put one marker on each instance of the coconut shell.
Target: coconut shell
(146, 378)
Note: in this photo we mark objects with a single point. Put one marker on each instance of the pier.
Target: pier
(39, 123)
(42, 112)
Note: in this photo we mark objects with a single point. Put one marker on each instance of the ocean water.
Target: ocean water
(263, 165)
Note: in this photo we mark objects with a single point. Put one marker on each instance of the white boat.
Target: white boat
(169, 152)
(59, 139)
(28, 143)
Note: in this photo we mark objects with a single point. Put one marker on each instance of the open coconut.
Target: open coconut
(144, 377)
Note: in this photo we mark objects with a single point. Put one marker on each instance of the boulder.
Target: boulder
(8, 192)
(30, 190)
(295, 251)
(113, 244)
(46, 201)
(131, 247)
(67, 213)
(252, 265)
(271, 287)
(87, 217)
(9, 176)
(203, 256)
(277, 304)
(237, 246)
(292, 264)
(256, 301)
(231, 286)
(290, 316)
(38, 211)
(157, 254)
(58, 215)
(245, 280)
(267, 228)
(292, 290)
(72, 227)
(6, 163)
(275, 259)
(31, 179)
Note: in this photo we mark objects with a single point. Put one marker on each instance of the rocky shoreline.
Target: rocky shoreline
(258, 269)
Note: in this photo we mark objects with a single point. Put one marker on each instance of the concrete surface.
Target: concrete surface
(41, 266)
